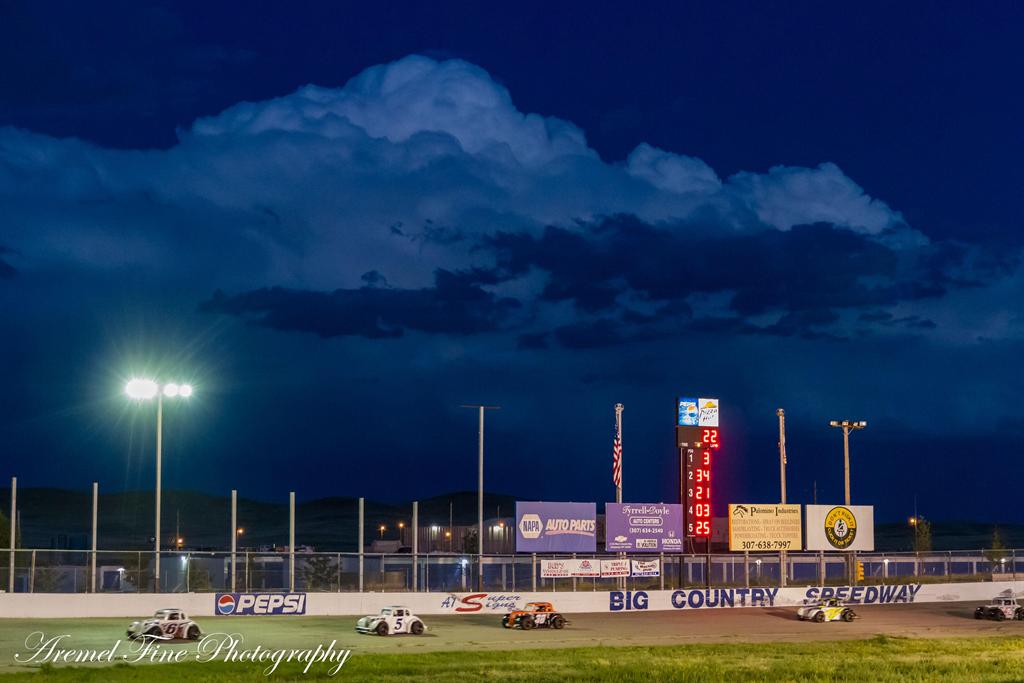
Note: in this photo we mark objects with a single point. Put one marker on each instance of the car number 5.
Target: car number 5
(398, 624)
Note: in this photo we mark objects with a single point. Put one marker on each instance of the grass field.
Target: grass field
(882, 658)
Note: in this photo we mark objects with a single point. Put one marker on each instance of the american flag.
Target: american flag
(617, 459)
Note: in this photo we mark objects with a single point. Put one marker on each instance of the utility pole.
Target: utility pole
(782, 485)
(480, 495)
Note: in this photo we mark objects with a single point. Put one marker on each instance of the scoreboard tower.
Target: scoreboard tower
(698, 441)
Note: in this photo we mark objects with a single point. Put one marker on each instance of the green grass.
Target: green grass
(881, 658)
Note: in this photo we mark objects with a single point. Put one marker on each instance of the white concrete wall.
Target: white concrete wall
(51, 605)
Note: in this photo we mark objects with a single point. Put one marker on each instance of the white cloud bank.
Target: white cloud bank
(388, 172)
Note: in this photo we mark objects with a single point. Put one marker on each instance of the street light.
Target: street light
(382, 528)
(847, 426)
(143, 390)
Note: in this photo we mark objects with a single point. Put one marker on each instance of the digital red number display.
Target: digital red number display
(698, 490)
(699, 445)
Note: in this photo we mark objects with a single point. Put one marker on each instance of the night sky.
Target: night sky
(342, 221)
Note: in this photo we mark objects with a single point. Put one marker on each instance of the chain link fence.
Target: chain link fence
(69, 571)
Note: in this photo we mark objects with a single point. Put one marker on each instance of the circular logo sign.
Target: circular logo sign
(840, 528)
(226, 604)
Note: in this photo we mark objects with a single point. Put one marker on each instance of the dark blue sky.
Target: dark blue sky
(541, 207)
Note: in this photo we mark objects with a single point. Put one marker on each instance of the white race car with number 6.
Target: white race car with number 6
(391, 620)
(166, 624)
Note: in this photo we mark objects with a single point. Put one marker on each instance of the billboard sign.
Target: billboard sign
(755, 527)
(688, 415)
(556, 527)
(840, 527)
(559, 569)
(255, 604)
(707, 412)
(643, 527)
(646, 567)
(614, 568)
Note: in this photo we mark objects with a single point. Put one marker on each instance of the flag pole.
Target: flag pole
(618, 484)
(618, 430)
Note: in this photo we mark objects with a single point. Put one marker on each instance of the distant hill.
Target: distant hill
(59, 518)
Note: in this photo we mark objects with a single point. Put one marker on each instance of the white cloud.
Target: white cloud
(304, 190)
(788, 196)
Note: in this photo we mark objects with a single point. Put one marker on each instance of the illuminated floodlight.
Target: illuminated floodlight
(185, 390)
(141, 389)
(171, 390)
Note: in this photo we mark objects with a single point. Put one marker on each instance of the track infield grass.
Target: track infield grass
(882, 658)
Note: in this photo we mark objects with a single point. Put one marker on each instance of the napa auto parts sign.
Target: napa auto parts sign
(643, 527)
(556, 527)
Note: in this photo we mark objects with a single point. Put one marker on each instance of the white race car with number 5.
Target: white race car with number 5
(391, 620)
(166, 624)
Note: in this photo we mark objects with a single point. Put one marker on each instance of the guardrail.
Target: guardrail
(69, 571)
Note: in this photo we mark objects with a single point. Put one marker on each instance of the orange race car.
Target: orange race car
(533, 615)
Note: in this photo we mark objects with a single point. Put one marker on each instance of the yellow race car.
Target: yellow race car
(830, 609)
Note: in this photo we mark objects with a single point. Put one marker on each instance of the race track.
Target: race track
(469, 632)
(932, 620)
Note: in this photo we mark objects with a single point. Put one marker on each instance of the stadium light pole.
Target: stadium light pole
(480, 496)
(847, 426)
(145, 390)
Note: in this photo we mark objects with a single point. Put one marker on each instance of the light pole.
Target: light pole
(144, 390)
(480, 497)
(848, 426)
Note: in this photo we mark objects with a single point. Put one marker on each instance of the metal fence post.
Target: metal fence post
(291, 541)
(360, 542)
(533, 570)
(92, 562)
(32, 575)
(234, 534)
(14, 511)
(661, 570)
(339, 572)
(416, 545)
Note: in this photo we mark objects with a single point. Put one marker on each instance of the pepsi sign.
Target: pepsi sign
(248, 604)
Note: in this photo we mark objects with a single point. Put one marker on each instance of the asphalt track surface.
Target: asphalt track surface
(933, 620)
(484, 631)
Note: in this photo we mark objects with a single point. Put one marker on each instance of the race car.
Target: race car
(391, 620)
(1000, 609)
(167, 624)
(533, 615)
(829, 609)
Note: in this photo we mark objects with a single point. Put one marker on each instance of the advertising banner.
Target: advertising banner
(840, 527)
(764, 527)
(558, 569)
(614, 568)
(646, 567)
(556, 527)
(249, 604)
(643, 527)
